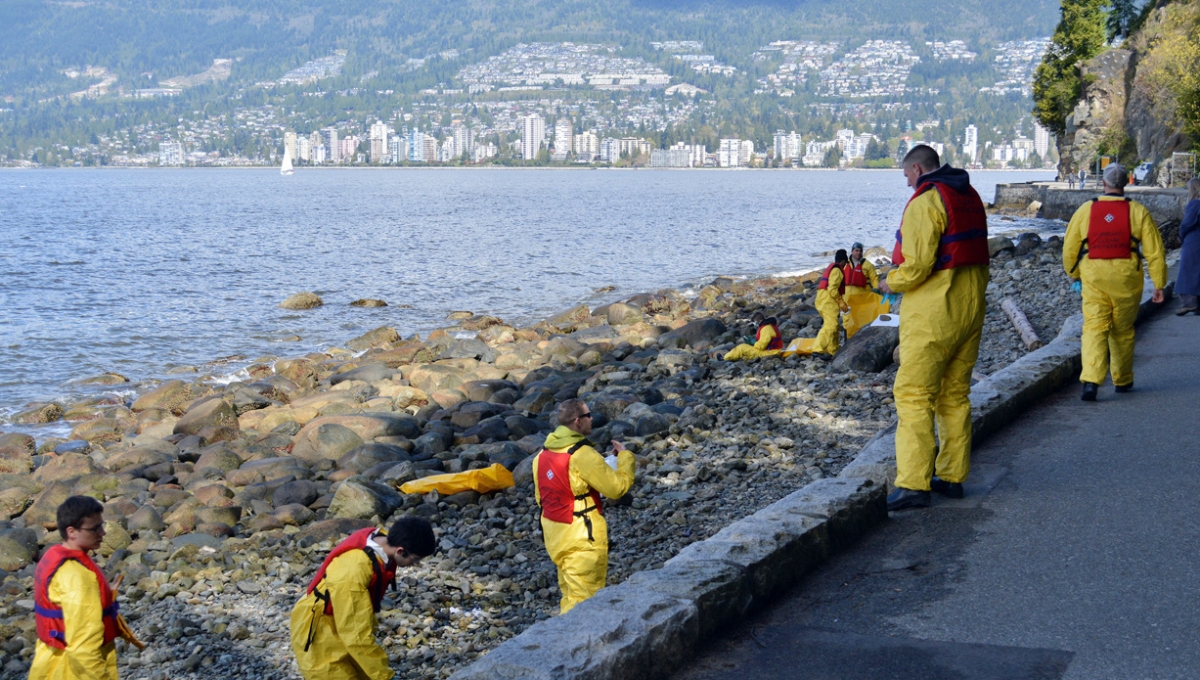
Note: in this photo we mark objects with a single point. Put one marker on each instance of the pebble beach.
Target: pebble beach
(222, 497)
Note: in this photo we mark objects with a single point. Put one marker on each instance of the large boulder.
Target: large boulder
(333, 530)
(621, 314)
(297, 492)
(44, 511)
(371, 373)
(358, 498)
(326, 441)
(567, 320)
(220, 457)
(141, 456)
(302, 301)
(999, 244)
(99, 431)
(14, 500)
(369, 455)
(38, 414)
(16, 451)
(693, 333)
(171, 396)
(213, 412)
(145, 519)
(483, 390)
(596, 334)
(869, 351)
(267, 469)
(368, 426)
(301, 372)
(380, 337)
(469, 348)
(67, 467)
(17, 548)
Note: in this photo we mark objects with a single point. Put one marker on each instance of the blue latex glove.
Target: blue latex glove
(1077, 287)
(891, 298)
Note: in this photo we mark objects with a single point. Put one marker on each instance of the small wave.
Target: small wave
(240, 375)
(73, 263)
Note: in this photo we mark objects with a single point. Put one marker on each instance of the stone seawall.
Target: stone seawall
(1059, 202)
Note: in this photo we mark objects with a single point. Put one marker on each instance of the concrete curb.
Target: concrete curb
(650, 625)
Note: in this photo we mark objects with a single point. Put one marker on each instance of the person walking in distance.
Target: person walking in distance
(1105, 242)
(1187, 282)
(941, 259)
(333, 625)
(569, 477)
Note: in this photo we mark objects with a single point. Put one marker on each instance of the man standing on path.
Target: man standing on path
(1104, 246)
(569, 476)
(831, 292)
(333, 625)
(941, 259)
(74, 606)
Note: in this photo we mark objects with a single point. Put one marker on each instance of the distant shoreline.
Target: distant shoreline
(304, 169)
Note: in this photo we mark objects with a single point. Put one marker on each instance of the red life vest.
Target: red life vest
(1109, 232)
(823, 284)
(854, 276)
(965, 241)
(381, 576)
(776, 342)
(51, 628)
(554, 488)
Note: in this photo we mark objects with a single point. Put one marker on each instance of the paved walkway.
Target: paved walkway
(1075, 555)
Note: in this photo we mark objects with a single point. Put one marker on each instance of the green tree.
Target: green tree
(1057, 84)
(832, 157)
(876, 151)
(1122, 15)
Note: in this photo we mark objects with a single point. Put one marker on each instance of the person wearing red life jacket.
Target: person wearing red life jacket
(569, 477)
(941, 259)
(1103, 248)
(831, 292)
(860, 274)
(768, 342)
(333, 625)
(74, 606)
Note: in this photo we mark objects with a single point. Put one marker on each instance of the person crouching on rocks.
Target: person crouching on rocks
(768, 342)
(831, 290)
(333, 625)
(569, 477)
(75, 608)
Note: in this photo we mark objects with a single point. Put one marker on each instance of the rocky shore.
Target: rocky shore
(222, 499)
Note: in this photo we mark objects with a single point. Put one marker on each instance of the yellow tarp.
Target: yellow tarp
(485, 480)
(864, 308)
(800, 346)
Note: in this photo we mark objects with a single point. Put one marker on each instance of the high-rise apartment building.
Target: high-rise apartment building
(971, 143)
(729, 153)
(316, 141)
(460, 141)
(788, 146)
(416, 146)
(303, 149)
(329, 137)
(397, 149)
(564, 133)
(586, 145)
(170, 153)
(533, 135)
(289, 145)
(379, 141)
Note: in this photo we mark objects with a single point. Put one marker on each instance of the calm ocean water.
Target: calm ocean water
(140, 271)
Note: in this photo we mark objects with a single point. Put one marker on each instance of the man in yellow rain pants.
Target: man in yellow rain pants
(768, 342)
(831, 289)
(1101, 249)
(941, 255)
(333, 625)
(569, 476)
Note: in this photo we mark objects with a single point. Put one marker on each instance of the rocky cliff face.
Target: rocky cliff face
(1119, 112)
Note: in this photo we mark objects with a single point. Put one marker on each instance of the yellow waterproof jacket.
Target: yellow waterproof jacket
(344, 644)
(75, 590)
(933, 297)
(836, 278)
(765, 335)
(1116, 276)
(587, 471)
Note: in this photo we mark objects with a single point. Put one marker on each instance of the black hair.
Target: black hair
(414, 534)
(74, 510)
(758, 317)
(924, 156)
(840, 255)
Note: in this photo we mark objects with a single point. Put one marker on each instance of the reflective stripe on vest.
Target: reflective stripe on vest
(823, 284)
(554, 489)
(48, 617)
(776, 342)
(854, 275)
(965, 241)
(1109, 232)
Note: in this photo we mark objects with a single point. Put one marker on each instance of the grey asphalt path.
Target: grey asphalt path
(1075, 555)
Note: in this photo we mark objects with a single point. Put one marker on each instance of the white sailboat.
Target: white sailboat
(286, 168)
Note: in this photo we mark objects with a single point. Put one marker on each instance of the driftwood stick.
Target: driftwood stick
(1017, 317)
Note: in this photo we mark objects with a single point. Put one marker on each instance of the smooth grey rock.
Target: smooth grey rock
(469, 349)
(359, 498)
(705, 330)
(369, 374)
(869, 351)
